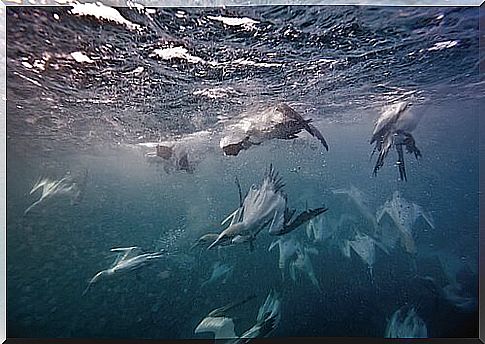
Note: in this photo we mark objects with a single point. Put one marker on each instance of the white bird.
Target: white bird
(220, 272)
(276, 122)
(304, 264)
(359, 199)
(263, 206)
(404, 215)
(125, 261)
(269, 316)
(52, 187)
(365, 247)
(393, 128)
(319, 231)
(454, 294)
(219, 322)
(288, 247)
(406, 325)
(222, 326)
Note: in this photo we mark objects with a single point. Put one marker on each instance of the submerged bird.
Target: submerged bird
(269, 316)
(264, 206)
(393, 128)
(63, 186)
(288, 247)
(219, 323)
(220, 272)
(453, 293)
(317, 231)
(359, 199)
(277, 122)
(205, 240)
(304, 265)
(125, 261)
(180, 153)
(406, 325)
(404, 214)
(365, 247)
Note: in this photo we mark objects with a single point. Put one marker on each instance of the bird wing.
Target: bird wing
(302, 218)
(124, 252)
(222, 327)
(316, 133)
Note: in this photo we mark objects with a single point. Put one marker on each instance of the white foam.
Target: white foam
(214, 93)
(28, 79)
(26, 65)
(443, 45)
(101, 11)
(176, 52)
(256, 64)
(80, 57)
(246, 22)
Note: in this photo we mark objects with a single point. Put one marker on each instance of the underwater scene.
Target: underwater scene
(235, 173)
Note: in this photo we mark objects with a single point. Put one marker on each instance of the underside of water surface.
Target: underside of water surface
(116, 123)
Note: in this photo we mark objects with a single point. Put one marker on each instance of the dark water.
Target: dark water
(337, 65)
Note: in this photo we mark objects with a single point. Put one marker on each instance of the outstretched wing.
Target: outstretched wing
(124, 252)
(222, 327)
(316, 133)
(302, 218)
(269, 316)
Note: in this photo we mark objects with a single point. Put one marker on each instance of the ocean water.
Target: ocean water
(84, 92)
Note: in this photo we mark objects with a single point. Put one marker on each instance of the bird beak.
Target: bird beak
(215, 243)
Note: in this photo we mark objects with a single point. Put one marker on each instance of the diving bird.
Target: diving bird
(360, 200)
(404, 215)
(365, 247)
(269, 316)
(406, 325)
(276, 122)
(52, 187)
(393, 128)
(219, 322)
(288, 247)
(303, 264)
(453, 293)
(205, 240)
(125, 261)
(317, 231)
(220, 272)
(263, 206)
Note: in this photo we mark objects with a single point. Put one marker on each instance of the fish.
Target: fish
(404, 215)
(125, 261)
(406, 325)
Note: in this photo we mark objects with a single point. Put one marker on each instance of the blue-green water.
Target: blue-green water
(64, 125)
